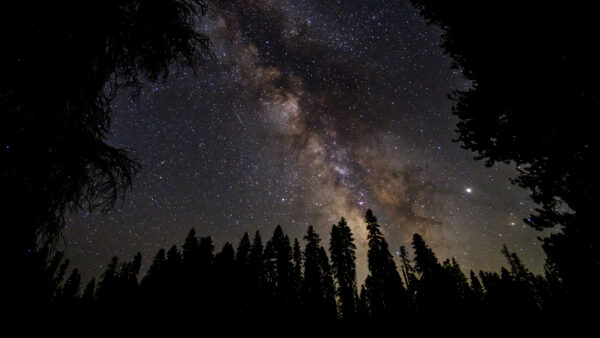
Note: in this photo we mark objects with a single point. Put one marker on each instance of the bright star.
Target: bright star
(469, 190)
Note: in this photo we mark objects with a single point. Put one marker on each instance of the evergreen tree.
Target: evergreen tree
(328, 288)
(88, 295)
(522, 285)
(257, 264)
(410, 279)
(156, 272)
(242, 279)
(312, 291)
(297, 278)
(362, 308)
(343, 257)
(279, 269)
(387, 298)
(174, 270)
(297, 271)
(257, 296)
(477, 295)
(206, 250)
(109, 279)
(433, 286)
(242, 256)
(190, 249)
(130, 271)
(225, 283)
(70, 290)
(283, 267)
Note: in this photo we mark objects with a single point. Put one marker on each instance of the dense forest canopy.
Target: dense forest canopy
(288, 285)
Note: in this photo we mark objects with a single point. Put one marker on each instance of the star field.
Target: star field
(310, 111)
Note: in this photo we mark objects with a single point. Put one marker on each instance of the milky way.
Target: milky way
(309, 111)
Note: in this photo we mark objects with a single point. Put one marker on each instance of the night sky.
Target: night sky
(311, 110)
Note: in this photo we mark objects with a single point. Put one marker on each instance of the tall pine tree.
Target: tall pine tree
(387, 299)
(343, 256)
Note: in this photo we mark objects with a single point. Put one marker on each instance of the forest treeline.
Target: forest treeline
(283, 283)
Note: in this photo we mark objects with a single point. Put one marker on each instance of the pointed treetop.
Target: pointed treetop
(370, 218)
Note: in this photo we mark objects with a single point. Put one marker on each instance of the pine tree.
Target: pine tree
(362, 309)
(432, 284)
(386, 293)
(297, 278)
(477, 294)
(257, 294)
(297, 271)
(88, 295)
(109, 279)
(71, 288)
(173, 264)
(242, 256)
(224, 287)
(409, 277)
(257, 264)
(190, 251)
(343, 257)
(279, 268)
(328, 288)
(312, 291)
(156, 272)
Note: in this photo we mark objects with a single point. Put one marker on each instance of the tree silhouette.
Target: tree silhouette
(258, 285)
(297, 279)
(545, 123)
(362, 309)
(62, 64)
(408, 274)
(56, 158)
(107, 285)
(387, 298)
(329, 309)
(242, 279)
(343, 256)
(244, 287)
(279, 269)
(313, 293)
(225, 283)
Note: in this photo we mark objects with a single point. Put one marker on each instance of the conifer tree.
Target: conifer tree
(257, 264)
(343, 257)
(328, 288)
(109, 279)
(362, 309)
(174, 262)
(241, 279)
(190, 252)
(71, 288)
(88, 295)
(408, 274)
(279, 268)
(242, 255)
(224, 287)
(156, 272)
(386, 293)
(297, 271)
(312, 291)
(257, 297)
(297, 278)
(476, 295)
(432, 285)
